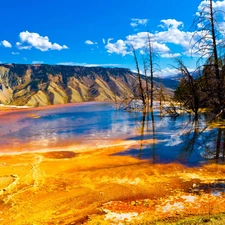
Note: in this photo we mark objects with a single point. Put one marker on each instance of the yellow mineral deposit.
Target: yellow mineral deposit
(92, 185)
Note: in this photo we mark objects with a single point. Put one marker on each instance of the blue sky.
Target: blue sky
(96, 32)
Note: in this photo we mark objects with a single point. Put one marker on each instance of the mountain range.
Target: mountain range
(40, 84)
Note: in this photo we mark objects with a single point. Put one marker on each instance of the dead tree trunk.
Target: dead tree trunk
(146, 82)
(142, 94)
(215, 53)
(151, 68)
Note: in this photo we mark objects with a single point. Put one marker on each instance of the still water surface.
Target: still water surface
(176, 139)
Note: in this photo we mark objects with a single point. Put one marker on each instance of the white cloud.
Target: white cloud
(171, 23)
(103, 40)
(135, 71)
(135, 22)
(37, 62)
(159, 47)
(6, 44)
(20, 46)
(88, 64)
(170, 55)
(15, 53)
(218, 9)
(29, 40)
(172, 33)
(170, 72)
(88, 42)
(203, 35)
(166, 72)
(138, 40)
(118, 47)
(217, 5)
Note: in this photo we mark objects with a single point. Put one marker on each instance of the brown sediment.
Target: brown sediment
(60, 155)
(69, 188)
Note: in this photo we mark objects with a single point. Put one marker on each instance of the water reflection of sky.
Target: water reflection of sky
(179, 140)
(91, 121)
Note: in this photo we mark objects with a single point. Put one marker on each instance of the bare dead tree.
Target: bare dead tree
(142, 93)
(146, 81)
(188, 91)
(207, 39)
(151, 68)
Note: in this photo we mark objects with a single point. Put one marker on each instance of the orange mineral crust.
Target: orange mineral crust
(69, 187)
(69, 182)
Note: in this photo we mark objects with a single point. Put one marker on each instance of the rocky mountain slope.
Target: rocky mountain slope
(38, 85)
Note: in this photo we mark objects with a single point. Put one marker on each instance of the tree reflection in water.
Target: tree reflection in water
(147, 120)
(198, 141)
(142, 129)
(160, 138)
(211, 142)
(215, 146)
(192, 140)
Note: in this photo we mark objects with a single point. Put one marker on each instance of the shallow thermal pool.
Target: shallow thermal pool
(175, 139)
